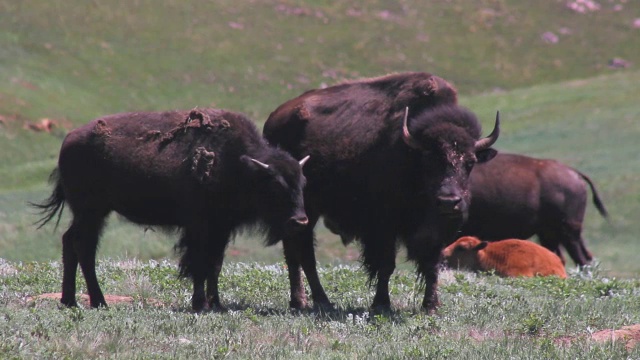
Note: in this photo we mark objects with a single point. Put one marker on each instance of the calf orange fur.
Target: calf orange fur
(510, 257)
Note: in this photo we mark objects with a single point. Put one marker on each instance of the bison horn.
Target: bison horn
(406, 136)
(486, 143)
(304, 160)
(260, 163)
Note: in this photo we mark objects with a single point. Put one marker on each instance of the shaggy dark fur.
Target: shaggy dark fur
(516, 196)
(191, 170)
(372, 186)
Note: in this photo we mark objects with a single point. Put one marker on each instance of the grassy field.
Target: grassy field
(481, 317)
(543, 65)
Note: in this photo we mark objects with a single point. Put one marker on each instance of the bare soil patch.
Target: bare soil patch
(630, 335)
(84, 299)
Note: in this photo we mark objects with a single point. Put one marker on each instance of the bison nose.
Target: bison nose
(297, 222)
(449, 203)
(302, 221)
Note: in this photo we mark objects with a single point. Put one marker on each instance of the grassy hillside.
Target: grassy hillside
(73, 60)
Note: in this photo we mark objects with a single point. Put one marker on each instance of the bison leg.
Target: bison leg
(69, 268)
(428, 270)
(299, 253)
(570, 238)
(574, 243)
(80, 243)
(203, 252)
(198, 299)
(298, 294)
(425, 249)
(213, 295)
(379, 258)
(575, 248)
(551, 242)
(587, 254)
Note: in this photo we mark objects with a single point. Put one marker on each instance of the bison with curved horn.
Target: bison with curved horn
(207, 172)
(390, 163)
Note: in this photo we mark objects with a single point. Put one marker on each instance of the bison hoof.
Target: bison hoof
(217, 307)
(298, 304)
(198, 306)
(323, 307)
(69, 303)
(380, 309)
(430, 309)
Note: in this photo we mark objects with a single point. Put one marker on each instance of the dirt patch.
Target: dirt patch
(84, 299)
(630, 335)
(45, 125)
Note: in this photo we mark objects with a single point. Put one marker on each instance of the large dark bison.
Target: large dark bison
(381, 173)
(207, 172)
(516, 196)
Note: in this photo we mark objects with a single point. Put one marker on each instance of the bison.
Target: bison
(390, 161)
(509, 258)
(516, 196)
(208, 173)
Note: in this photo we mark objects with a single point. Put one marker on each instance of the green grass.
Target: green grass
(76, 59)
(481, 317)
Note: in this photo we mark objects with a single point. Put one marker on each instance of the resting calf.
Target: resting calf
(510, 257)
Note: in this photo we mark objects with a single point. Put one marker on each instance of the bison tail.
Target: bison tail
(53, 205)
(596, 199)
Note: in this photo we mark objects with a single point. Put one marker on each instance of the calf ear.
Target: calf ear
(486, 155)
(481, 246)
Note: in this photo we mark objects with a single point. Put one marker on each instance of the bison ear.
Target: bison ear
(482, 245)
(486, 155)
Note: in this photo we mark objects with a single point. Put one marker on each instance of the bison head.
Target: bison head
(463, 253)
(447, 141)
(278, 183)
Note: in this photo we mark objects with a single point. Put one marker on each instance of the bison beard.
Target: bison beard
(208, 172)
(381, 174)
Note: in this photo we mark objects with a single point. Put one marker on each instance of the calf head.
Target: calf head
(447, 138)
(463, 253)
(278, 182)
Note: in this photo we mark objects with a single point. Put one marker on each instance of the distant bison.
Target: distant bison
(516, 196)
(510, 257)
(207, 172)
(390, 161)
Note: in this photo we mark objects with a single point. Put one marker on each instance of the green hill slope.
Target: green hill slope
(76, 59)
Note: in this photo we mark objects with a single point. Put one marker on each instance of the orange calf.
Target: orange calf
(507, 257)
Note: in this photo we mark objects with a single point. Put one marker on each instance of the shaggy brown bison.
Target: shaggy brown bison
(516, 196)
(390, 161)
(207, 172)
(512, 257)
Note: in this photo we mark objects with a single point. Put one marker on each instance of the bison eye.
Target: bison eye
(468, 165)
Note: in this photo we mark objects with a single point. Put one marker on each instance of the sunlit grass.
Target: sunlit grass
(481, 316)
